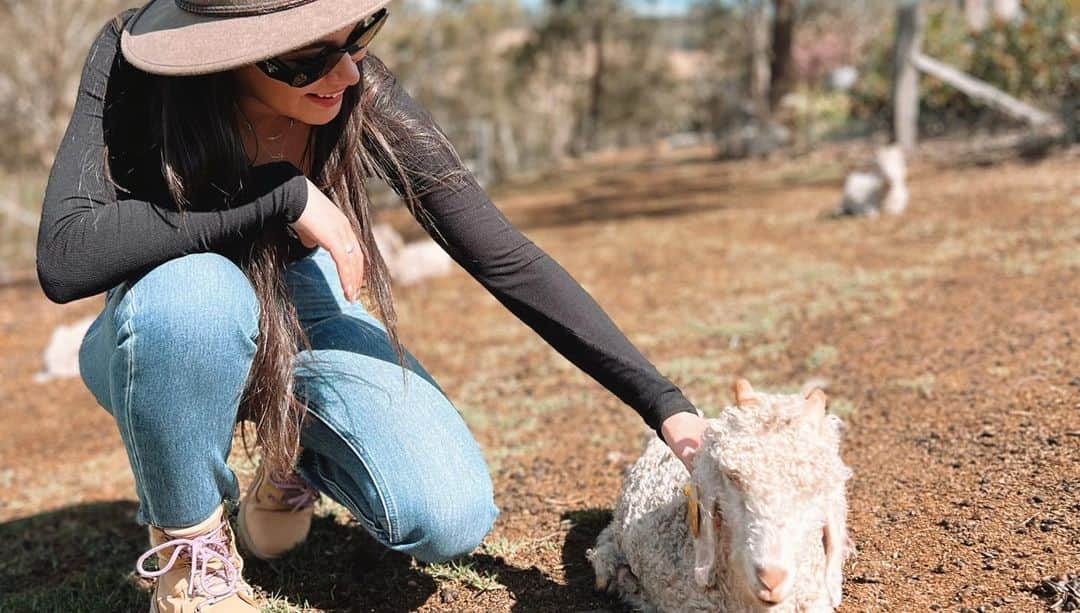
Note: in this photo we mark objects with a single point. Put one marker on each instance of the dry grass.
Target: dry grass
(943, 336)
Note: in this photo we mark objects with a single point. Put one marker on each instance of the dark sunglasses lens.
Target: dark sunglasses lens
(316, 70)
(366, 29)
(304, 71)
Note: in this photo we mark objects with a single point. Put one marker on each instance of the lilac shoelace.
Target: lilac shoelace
(295, 490)
(200, 551)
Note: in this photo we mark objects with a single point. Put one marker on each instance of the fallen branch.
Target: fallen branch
(982, 90)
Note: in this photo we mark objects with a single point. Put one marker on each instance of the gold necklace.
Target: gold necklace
(255, 135)
(281, 155)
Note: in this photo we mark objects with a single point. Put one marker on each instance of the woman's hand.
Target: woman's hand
(322, 223)
(682, 432)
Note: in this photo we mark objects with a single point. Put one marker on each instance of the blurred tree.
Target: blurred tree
(757, 51)
(457, 61)
(1034, 59)
(582, 24)
(616, 63)
(38, 80)
(757, 24)
(783, 38)
(905, 95)
(759, 40)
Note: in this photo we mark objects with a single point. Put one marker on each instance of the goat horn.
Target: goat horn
(744, 393)
(816, 400)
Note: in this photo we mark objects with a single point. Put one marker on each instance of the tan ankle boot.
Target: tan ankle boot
(275, 514)
(199, 570)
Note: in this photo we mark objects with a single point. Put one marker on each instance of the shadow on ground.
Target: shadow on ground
(83, 557)
(535, 592)
(63, 560)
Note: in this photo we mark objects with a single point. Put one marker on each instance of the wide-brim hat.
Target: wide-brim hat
(190, 37)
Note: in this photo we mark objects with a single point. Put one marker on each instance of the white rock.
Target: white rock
(387, 240)
(410, 262)
(418, 261)
(61, 357)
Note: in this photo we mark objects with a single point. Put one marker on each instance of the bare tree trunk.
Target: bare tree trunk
(759, 57)
(783, 38)
(510, 162)
(597, 90)
(483, 132)
(909, 25)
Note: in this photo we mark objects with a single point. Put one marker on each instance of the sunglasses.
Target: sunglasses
(303, 70)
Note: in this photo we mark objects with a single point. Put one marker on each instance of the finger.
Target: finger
(688, 463)
(356, 266)
(355, 258)
(343, 263)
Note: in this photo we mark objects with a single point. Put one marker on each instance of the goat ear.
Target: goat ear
(705, 542)
(744, 393)
(835, 539)
(816, 401)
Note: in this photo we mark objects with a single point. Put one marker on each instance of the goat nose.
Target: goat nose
(771, 576)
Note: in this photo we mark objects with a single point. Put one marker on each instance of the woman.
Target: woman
(211, 183)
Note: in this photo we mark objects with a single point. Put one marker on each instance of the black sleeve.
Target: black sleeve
(89, 240)
(531, 284)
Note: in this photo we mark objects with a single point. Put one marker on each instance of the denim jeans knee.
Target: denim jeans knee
(434, 508)
(393, 450)
(169, 358)
(440, 527)
(195, 296)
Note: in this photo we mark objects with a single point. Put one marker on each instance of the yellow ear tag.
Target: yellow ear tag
(692, 516)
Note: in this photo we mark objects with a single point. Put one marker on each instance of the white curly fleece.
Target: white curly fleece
(772, 474)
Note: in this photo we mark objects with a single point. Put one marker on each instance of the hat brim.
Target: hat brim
(164, 39)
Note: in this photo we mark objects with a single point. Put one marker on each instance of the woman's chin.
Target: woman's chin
(320, 116)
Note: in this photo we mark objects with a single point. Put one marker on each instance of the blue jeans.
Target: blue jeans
(168, 357)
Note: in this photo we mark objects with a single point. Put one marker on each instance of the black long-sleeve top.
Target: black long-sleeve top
(93, 236)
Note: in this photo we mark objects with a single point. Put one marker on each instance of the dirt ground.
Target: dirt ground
(947, 339)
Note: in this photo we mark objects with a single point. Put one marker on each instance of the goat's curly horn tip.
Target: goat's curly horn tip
(743, 390)
(817, 398)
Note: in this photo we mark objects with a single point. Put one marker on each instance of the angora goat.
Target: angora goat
(761, 525)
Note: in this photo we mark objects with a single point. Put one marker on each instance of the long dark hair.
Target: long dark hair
(202, 155)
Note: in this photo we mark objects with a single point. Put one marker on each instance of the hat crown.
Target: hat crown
(237, 8)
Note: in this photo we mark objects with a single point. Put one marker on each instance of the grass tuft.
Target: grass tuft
(463, 571)
(923, 385)
(823, 355)
(502, 547)
(841, 407)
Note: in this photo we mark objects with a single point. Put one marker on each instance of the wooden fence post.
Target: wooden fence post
(909, 24)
